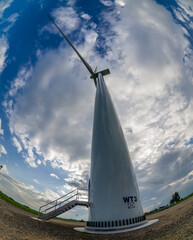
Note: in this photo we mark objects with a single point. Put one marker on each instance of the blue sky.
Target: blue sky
(47, 97)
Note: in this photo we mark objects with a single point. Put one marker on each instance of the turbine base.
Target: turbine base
(117, 229)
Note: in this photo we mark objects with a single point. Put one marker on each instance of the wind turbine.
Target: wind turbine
(114, 199)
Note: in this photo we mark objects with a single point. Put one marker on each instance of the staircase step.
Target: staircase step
(63, 209)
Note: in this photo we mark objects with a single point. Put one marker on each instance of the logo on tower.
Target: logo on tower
(130, 201)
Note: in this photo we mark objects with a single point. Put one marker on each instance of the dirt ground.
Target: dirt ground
(175, 223)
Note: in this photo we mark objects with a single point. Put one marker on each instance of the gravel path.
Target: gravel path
(175, 223)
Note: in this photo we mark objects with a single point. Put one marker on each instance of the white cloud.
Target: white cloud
(24, 193)
(91, 37)
(184, 14)
(3, 5)
(106, 2)
(62, 192)
(4, 170)
(39, 162)
(30, 159)
(55, 142)
(54, 175)
(71, 3)
(120, 2)
(17, 144)
(85, 16)
(49, 195)
(4, 46)
(153, 198)
(11, 20)
(36, 181)
(2, 150)
(66, 18)
(187, 6)
(146, 49)
(1, 130)
(19, 82)
(180, 182)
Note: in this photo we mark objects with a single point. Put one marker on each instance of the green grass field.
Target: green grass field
(168, 206)
(19, 205)
(26, 208)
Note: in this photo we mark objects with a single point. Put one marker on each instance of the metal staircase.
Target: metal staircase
(63, 204)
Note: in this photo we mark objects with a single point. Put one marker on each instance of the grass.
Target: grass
(191, 195)
(28, 209)
(19, 205)
(70, 220)
(168, 206)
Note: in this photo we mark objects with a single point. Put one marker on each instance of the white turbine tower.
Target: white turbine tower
(114, 199)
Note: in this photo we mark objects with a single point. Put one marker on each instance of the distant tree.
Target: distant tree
(175, 198)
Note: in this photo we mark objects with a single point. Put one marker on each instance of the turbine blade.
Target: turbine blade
(81, 58)
(95, 70)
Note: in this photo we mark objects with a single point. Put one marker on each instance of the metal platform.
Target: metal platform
(62, 204)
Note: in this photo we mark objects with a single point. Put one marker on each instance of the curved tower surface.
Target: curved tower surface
(114, 197)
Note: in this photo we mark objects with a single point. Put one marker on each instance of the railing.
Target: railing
(76, 194)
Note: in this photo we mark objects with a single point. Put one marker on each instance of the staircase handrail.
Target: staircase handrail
(74, 193)
(60, 203)
(75, 190)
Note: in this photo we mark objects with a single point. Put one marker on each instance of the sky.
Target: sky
(47, 96)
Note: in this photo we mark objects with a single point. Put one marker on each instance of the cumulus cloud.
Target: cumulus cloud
(153, 198)
(4, 46)
(54, 175)
(1, 130)
(3, 5)
(66, 18)
(2, 150)
(19, 82)
(36, 181)
(17, 144)
(188, 178)
(10, 20)
(13, 18)
(4, 170)
(24, 193)
(61, 140)
(85, 16)
(146, 48)
(120, 2)
(106, 2)
(187, 7)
